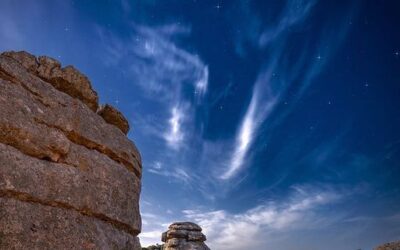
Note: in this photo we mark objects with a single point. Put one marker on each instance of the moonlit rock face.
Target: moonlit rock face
(69, 179)
(184, 236)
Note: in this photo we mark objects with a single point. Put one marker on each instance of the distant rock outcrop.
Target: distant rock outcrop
(389, 246)
(69, 176)
(184, 236)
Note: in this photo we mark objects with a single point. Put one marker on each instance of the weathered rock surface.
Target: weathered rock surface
(389, 246)
(31, 225)
(46, 107)
(68, 79)
(69, 178)
(112, 116)
(184, 236)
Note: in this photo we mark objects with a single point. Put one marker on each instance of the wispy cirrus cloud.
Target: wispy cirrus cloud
(257, 111)
(172, 79)
(177, 81)
(174, 135)
(161, 67)
(177, 173)
(294, 13)
(289, 222)
(201, 85)
(281, 79)
(266, 90)
(165, 71)
(254, 227)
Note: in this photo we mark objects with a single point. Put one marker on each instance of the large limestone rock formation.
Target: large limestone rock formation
(184, 236)
(389, 246)
(69, 177)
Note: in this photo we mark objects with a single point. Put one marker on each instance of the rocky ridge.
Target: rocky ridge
(184, 236)
(70, 178)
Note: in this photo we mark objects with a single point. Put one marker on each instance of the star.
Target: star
(319, 57)
(396, 53)
(218, 6)
(329, 102)
(366, 84)
(66, 29)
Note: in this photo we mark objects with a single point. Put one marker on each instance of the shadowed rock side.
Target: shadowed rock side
(184, 236)
(389, 246)
(69, 177)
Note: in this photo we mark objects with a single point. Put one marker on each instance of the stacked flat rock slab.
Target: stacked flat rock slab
(184, 236)
(69, 176)
(389, 246)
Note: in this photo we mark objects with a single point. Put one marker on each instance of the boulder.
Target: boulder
(184, 236)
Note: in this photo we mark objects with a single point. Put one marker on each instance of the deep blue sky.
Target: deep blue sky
(273, 124)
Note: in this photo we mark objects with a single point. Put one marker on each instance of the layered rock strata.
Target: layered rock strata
(184, 236)
(69, 176)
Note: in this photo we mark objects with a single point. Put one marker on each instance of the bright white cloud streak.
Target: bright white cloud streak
(243, 140)
(174, 136)
(251, 229)
(256, 113)
(265, 92)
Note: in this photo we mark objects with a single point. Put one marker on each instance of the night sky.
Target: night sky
(272, 124)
